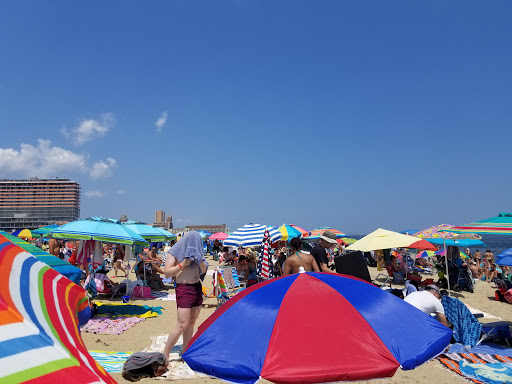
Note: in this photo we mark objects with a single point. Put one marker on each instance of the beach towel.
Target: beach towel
(190, 246)
(111, 326)
(127, 310)
(111, 361)
(466, 328)
(178, 370)
(165, 296)
(472, 366)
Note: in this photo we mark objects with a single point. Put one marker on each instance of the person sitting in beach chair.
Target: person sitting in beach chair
(147, 271)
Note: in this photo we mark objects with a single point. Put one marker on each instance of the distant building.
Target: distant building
(169, 222)
(159, 217)
(34, 202)
(208, 228)
(123, 218)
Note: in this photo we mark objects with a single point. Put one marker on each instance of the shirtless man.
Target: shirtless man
(189, 293)
(299, 259)
(478, 257)
(242, 268)
(476, 270)
(54, 247)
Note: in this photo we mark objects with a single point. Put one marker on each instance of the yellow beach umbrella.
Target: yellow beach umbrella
(384, 239)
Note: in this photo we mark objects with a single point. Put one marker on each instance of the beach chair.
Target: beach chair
(225, 286)
(503, 286)
(467, 330)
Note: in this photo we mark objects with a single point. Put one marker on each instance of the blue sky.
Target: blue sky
(349, 114)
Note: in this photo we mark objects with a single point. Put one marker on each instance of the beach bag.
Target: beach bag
(508, 296)
(130, 285)
(144, 364)
(498, 295)
(142, 293)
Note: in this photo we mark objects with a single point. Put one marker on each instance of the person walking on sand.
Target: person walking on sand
(299, 259)
(326, 241)
(186, 262)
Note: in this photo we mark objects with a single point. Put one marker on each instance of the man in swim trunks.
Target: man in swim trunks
(189, 293)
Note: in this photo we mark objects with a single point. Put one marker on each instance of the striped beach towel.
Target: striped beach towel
(111, 361)
(469, 365)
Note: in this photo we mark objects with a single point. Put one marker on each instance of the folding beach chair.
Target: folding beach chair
(467, 330)
(225, 284)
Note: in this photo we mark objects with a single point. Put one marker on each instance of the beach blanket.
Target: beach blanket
(127, 310)
(178, 370)
(111, 361)
(479, 368)
(111, 326)
(485, 348)
(466, 328)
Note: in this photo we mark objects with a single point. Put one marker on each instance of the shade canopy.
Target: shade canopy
(251, 235)
(40, 311)
(71, 272)
(499, 225)
(347, 331)
(384, 239)
(99, 229)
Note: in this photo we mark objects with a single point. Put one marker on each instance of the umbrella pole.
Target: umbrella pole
(446, 266)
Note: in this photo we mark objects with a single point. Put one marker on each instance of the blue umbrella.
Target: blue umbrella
(99, 229)
(251, 235)
(44, 230)
(149, 233)
(505, 258)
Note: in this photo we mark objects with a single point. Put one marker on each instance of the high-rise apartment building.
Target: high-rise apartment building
(34, 202)
(160, 217)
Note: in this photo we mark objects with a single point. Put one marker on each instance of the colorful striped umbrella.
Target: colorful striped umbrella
(251, 235)
(291, 343)
(44, 230)
(61, 266)
(40, 311)
(425, 254)
(99, 229)
(499, 225)
(315, 234)
(23, 233)
(441, 231)
(289, 231)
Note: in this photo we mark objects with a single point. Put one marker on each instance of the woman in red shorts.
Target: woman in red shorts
(185, 261)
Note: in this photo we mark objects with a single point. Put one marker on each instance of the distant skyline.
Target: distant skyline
(349, 114)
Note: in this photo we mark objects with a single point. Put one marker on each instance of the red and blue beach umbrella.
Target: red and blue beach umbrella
(311, 328)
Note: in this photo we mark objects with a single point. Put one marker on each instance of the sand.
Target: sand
(138, 337)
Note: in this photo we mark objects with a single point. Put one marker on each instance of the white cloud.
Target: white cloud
(90, 129)
(93, 194)
(121, 192)
(43, 160)
(102, 169)
(161, 122)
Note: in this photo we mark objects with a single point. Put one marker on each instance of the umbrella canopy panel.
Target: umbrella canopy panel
(149, 233)
(219, 236)
(363, 342)
(289, 231)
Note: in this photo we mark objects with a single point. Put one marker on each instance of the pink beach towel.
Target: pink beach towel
(111, 326)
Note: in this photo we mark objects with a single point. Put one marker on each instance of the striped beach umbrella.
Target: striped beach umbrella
(40, 312)
(289, 231)
(251, 235)
(265, 268)
(315, 234)
(499, 225)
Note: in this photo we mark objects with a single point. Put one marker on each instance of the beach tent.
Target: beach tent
(71, 272)
(499, 225)
(292, 343)
(40, 311)
(384, 239)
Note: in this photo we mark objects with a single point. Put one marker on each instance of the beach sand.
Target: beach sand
(138, 337)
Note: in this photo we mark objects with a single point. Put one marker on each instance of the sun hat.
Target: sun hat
(329, 236)
(435, 288)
